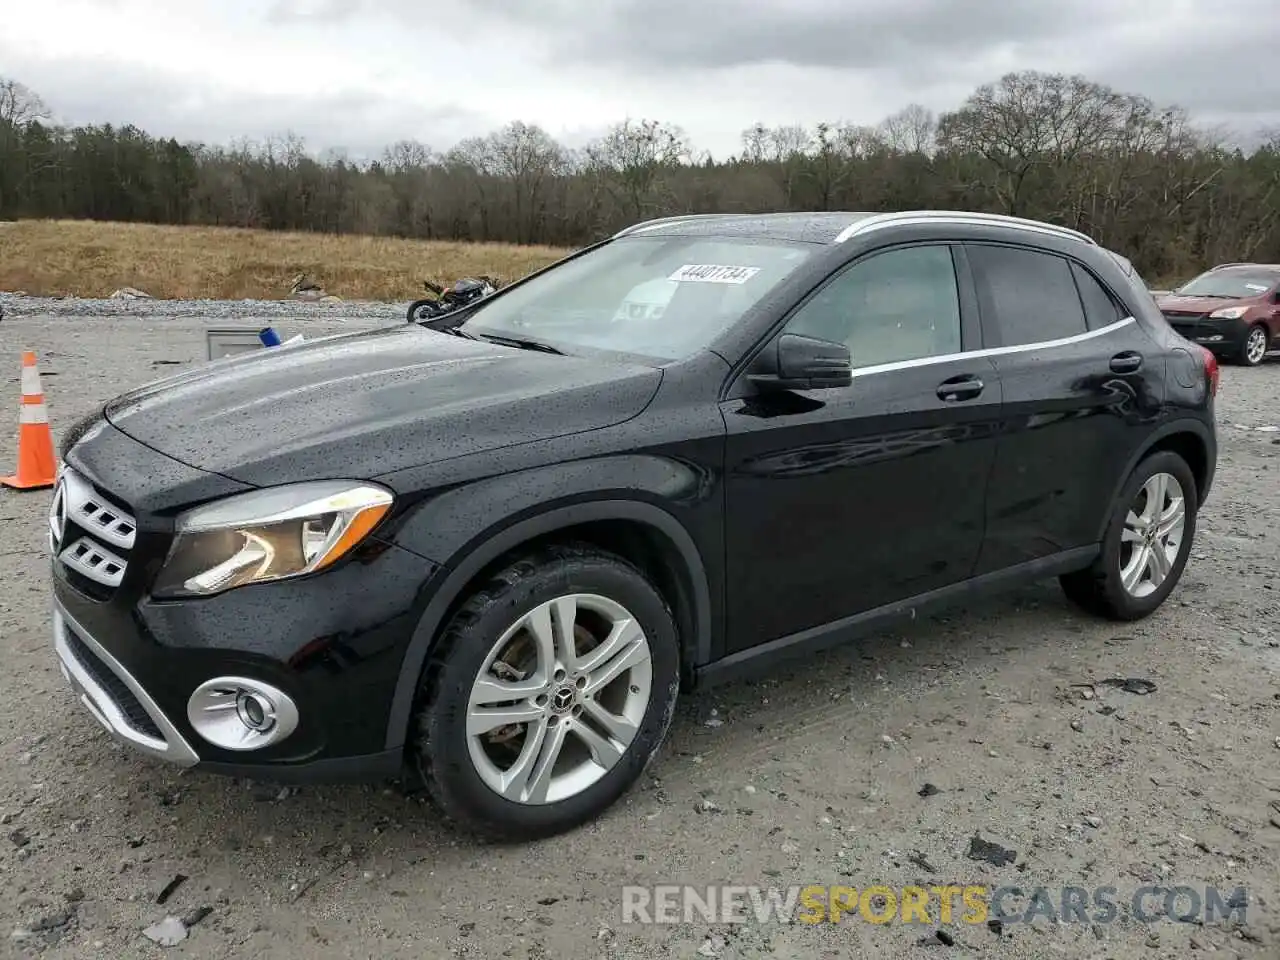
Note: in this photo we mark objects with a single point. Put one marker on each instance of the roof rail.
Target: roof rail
(879, 220)
(660, 221)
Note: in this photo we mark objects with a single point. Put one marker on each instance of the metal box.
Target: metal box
(229, 341)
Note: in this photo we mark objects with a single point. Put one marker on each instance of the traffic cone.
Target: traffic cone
(37, 467)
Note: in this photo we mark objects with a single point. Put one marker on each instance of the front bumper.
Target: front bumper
(334, 643)
(113, 695)
(1220, 336)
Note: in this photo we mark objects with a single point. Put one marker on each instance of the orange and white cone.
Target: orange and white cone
(37, 466)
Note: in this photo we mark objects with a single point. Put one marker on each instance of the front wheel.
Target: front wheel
(1254, 349)
(547, 695)
(1146, 544)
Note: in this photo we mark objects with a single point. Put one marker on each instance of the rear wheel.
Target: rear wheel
(1254, 349)
(421, 310)
(549, 693)
(1146, 543)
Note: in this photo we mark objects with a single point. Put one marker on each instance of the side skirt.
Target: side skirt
(761, 658)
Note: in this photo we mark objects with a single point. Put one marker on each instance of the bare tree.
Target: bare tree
(632, 159)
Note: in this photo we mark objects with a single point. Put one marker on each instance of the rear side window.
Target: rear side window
(1027, 296)
(1100, 308)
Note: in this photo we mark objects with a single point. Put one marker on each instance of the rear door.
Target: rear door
(1082, 382)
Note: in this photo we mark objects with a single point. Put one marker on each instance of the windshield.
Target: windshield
(1231, 285)
(660, 297)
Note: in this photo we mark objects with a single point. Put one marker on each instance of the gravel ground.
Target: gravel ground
(816, 775)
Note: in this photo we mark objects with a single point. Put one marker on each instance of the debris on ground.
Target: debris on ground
(170, 887)
(131, 293)
(1137, 685)
(169, 932)
(713, 946)
(928, 790)
(992, 853)
(919, 860)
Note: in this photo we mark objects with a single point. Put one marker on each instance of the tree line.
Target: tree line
(1142, 178)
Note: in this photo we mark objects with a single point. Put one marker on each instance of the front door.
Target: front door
(842, 500)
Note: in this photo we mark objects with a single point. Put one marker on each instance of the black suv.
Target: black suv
(491, 549)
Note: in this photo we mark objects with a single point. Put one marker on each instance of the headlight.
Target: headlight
(269, 535)
(1229, 313)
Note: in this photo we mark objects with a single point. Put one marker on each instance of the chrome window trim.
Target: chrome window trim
(994, 351)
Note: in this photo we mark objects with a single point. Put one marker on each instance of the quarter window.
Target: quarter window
(1027, 296)
(897, 305)
(1100, 308)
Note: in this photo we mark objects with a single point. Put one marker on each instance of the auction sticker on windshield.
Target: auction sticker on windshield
(713, 273)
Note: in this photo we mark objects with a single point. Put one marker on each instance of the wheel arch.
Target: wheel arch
(1190, 439)
(640, 532)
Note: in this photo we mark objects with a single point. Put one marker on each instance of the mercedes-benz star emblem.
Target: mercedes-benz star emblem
(58, 514)
(562, 699)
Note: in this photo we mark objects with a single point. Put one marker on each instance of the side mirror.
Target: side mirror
(1275, 297)
(796, 362)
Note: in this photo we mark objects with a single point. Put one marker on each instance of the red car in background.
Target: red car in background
(1232, 309)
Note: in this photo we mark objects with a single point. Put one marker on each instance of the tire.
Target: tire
(419, 305)
(1100, 589)
(463, 774)
(1253, 349)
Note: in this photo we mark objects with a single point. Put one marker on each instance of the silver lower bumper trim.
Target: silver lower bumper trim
(104, 707)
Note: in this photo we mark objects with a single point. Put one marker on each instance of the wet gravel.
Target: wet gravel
(980, 746)
(210, 311)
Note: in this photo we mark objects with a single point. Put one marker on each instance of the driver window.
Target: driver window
(898, 305)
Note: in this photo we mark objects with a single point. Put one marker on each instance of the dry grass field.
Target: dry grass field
(92, 259)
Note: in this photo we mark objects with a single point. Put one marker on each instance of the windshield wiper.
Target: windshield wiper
(524, 343)
(458, 331)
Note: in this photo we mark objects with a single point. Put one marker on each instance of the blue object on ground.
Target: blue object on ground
(269, 337)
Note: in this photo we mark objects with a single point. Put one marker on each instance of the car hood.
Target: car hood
(368, 404)
(1192, 305)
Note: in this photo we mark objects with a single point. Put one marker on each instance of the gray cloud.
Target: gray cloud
(1218, 70)
(844, 34)
(359, 122)
(1213, 56)
(714, 66)
(285, 12)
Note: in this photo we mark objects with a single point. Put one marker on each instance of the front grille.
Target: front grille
(1179, 315)
(92, 535)
(114, 687)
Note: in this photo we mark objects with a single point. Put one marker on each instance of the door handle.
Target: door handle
(1126, 362)
(964, 387)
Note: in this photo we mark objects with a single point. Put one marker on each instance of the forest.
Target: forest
(1141, 177)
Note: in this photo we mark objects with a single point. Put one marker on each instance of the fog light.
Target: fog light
(236, 713)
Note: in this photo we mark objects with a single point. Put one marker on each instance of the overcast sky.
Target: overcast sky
(361, 74)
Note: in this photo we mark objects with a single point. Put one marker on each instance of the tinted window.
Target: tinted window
(1029, 297)
(891, 306)
(1100, 308)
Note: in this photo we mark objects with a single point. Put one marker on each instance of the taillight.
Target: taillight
(1211, 370)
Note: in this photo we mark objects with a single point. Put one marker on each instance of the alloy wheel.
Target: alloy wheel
(1255, 347)
(1152, 535)
(559, 698)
